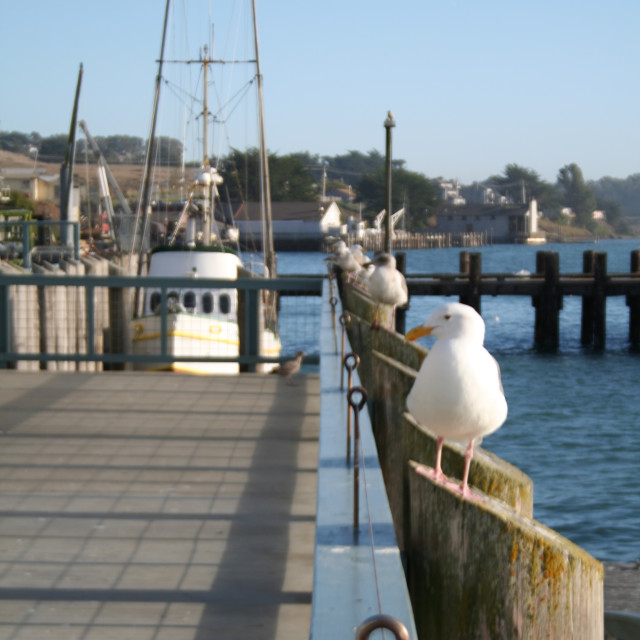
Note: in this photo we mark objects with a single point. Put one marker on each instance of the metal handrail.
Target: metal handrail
(294, 286)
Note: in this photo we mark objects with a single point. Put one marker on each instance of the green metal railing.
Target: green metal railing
(24, 229)
(120, 294)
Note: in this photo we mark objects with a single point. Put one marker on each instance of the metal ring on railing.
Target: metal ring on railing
(345, 320)
(350, 362)
(363, 397)
(383, 621)
(357, 408)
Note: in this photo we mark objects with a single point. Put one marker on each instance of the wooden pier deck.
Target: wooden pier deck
(156, 506)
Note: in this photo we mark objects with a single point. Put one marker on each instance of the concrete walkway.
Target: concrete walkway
(145, 506)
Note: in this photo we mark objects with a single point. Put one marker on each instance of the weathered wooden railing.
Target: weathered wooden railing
(474, 569)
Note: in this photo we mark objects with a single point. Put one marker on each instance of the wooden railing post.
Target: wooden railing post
(633, 302)
(471, 263)
(586, 330)
(549, 303)
(600, 300)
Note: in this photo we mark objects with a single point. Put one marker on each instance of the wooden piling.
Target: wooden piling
(633, 302)
(586, 328)
(548, 303)
(471, 264)
(599, 300)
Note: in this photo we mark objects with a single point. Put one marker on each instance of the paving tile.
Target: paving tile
(185, 488)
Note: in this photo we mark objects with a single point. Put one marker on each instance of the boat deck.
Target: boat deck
(156, 506)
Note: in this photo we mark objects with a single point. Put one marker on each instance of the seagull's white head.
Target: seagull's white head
(451, 320)
(384, 260)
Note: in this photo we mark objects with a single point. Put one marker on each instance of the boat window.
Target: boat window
(189, 301)
(224, 303)
(154, 302)
(207, 303)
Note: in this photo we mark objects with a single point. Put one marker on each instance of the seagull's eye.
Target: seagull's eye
(447, 317)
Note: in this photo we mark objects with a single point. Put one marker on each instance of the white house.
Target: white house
(34, 182)
(302, 225)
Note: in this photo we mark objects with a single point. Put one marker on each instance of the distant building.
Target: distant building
(34, 182)
(449, 192)
(479, 193)
(502, 224)
(345, 195)
(296, 225)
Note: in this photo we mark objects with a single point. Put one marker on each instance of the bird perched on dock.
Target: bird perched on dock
(458, 392)
(386, 285)
(345, 260)
(290, 367)
(358, 253)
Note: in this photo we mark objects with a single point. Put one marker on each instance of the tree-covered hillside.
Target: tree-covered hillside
(303, 176)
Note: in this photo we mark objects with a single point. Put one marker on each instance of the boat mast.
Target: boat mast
(205, 107)
(66, 169)
(146, 185)
(267, 227)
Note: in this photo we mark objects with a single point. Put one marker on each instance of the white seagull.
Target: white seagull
(386, 285)
(458, 391)
(343, 258)
(358, 253)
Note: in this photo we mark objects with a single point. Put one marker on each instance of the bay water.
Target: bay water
(574, 415)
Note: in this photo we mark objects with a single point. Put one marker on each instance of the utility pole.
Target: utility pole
(389, 123)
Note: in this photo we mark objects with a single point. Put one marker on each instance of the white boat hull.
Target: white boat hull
(195, 336)
(201, 322)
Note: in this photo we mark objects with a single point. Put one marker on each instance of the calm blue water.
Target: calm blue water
(574, 416)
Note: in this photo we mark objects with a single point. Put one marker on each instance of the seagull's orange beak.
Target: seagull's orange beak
(419, 332)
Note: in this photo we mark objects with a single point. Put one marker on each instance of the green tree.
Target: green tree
(518, 182)
(290, 179)
(14, 141)
(409, 189)
(351, 167)
(577, 195)
(127, 149)
(613, 215)
(54, 147)
(625, 192)
(19, 200)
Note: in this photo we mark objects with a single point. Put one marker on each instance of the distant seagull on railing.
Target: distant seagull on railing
(343, 258)
(290, 367)
(386, 285)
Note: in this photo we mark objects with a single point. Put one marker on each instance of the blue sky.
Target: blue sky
(473, 84)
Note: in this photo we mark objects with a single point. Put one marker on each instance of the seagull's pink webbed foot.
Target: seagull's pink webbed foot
(433, 474)
(463, 489)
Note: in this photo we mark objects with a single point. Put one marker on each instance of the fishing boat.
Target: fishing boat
(204, 321)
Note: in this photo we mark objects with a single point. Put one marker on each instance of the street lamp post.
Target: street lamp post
(389, 123)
